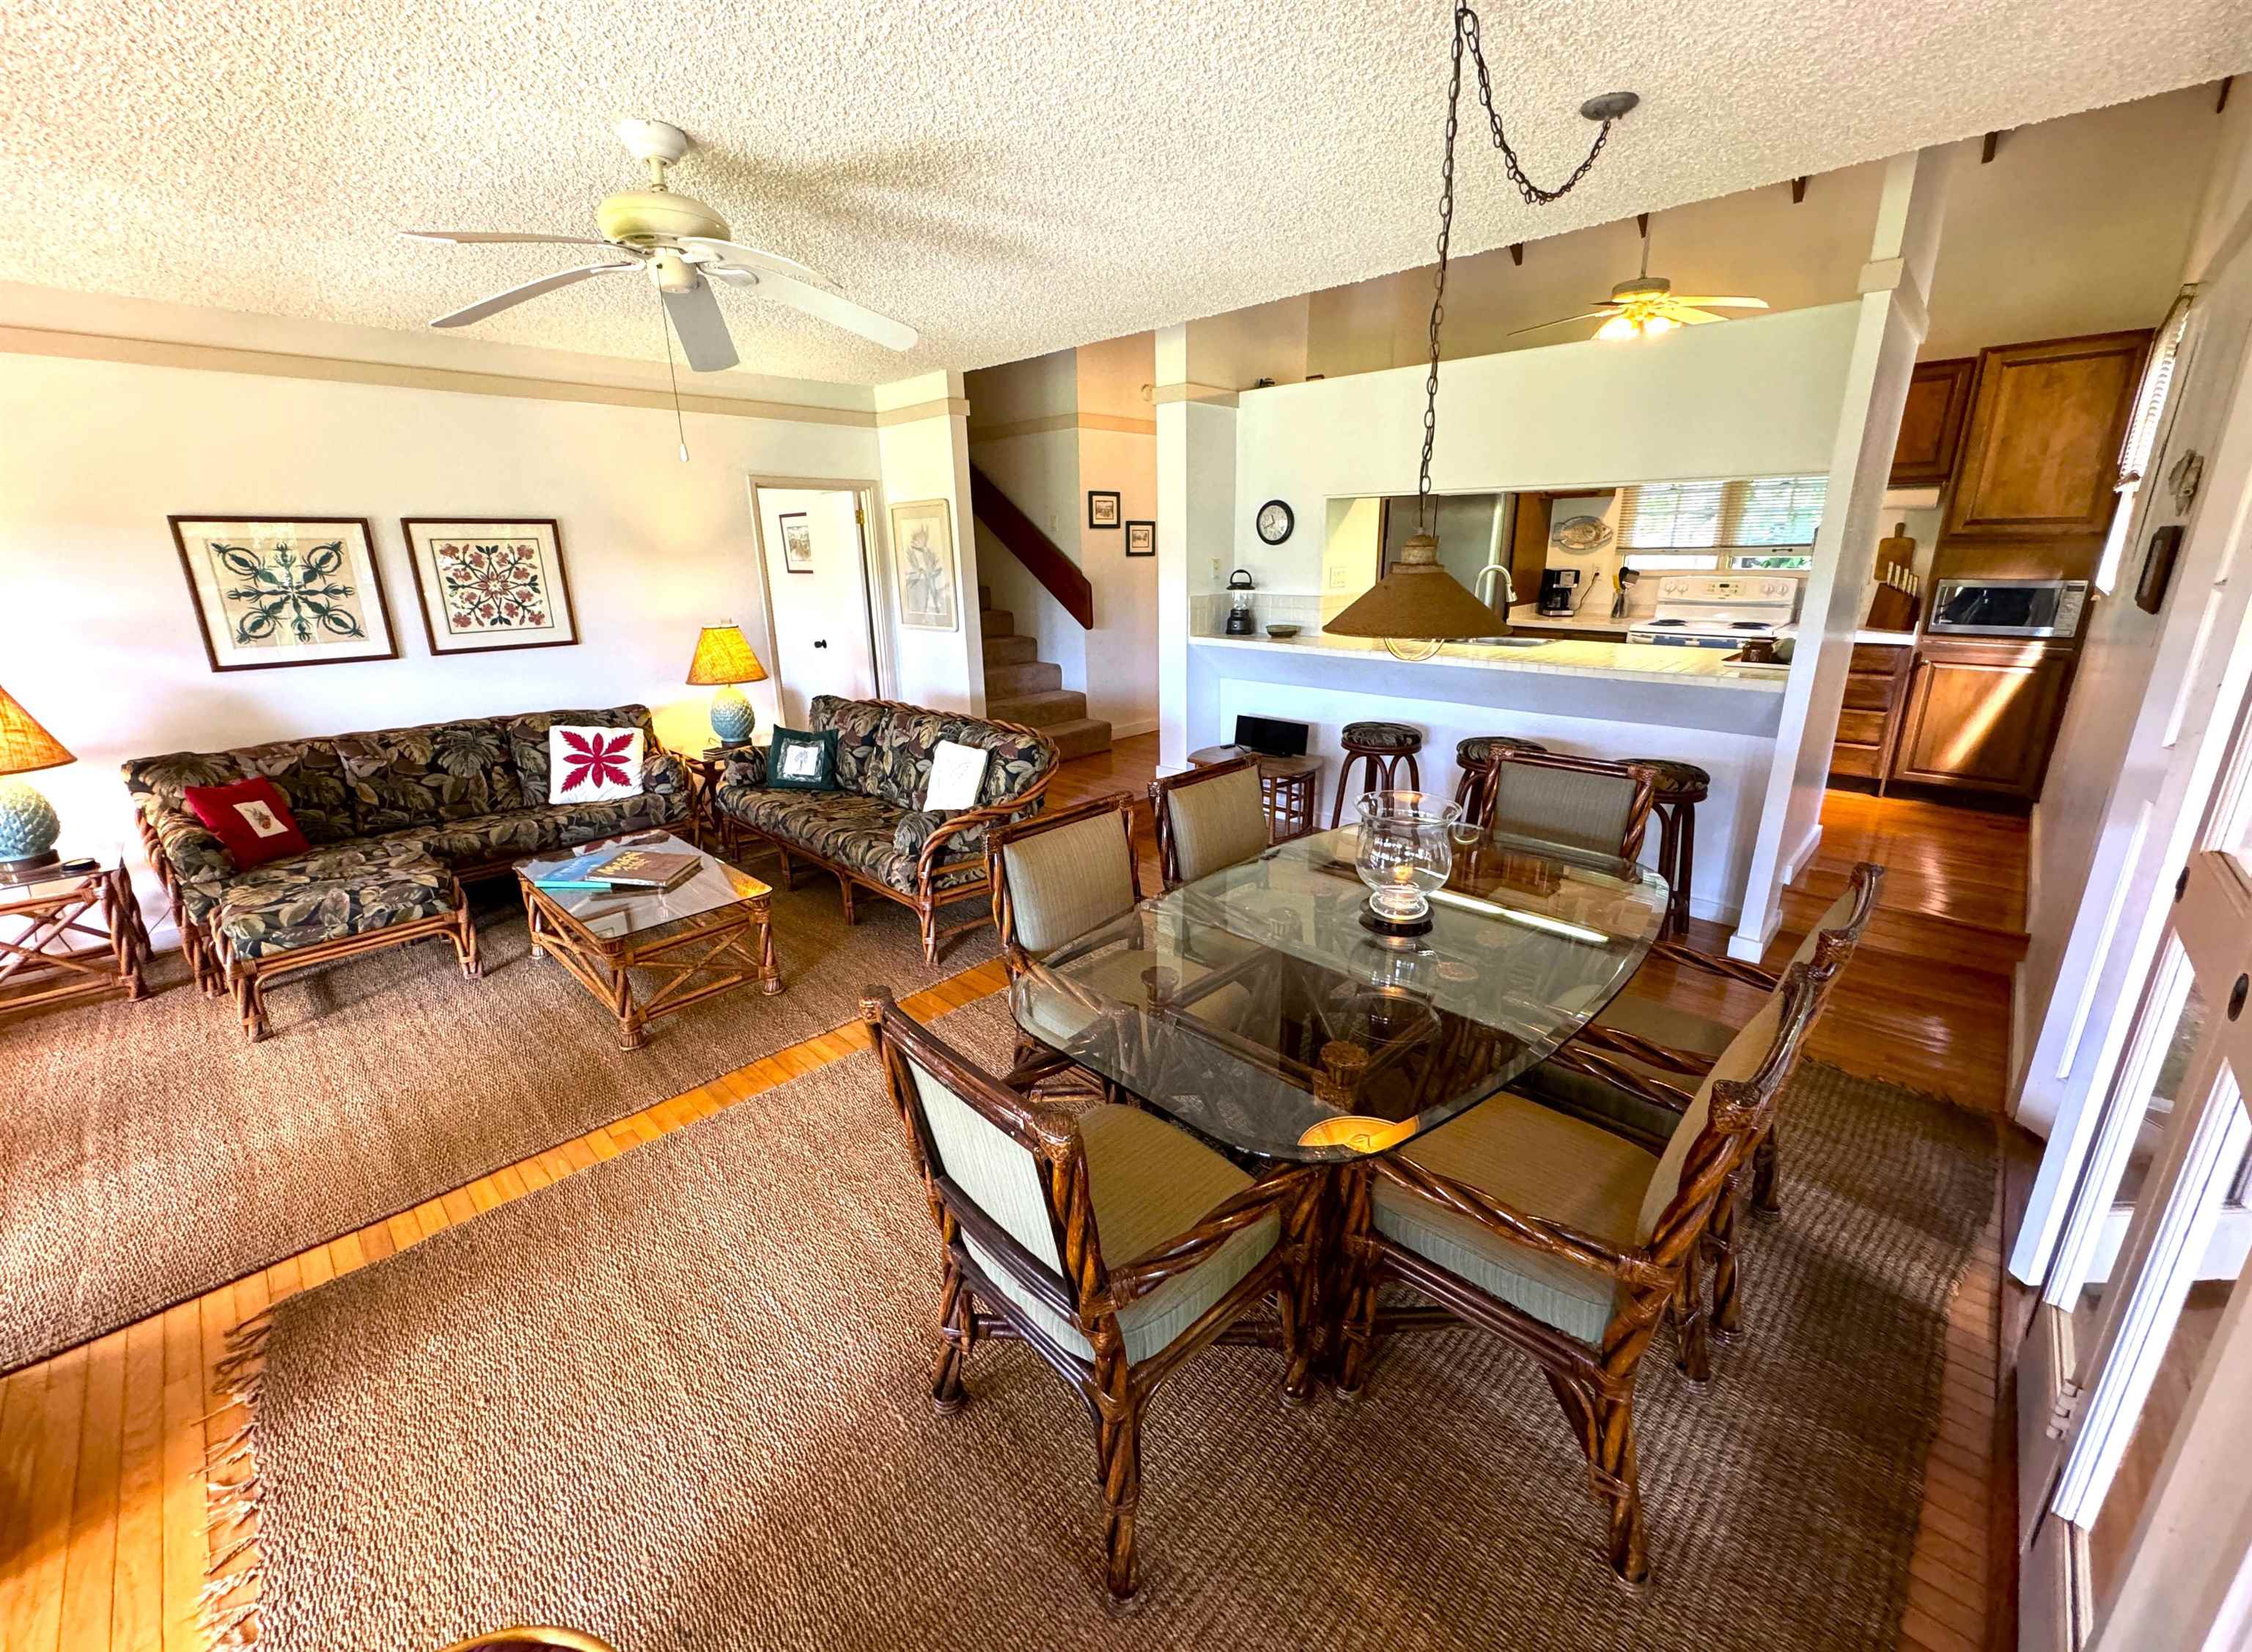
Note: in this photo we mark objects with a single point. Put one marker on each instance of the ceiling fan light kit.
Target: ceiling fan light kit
(683, 244)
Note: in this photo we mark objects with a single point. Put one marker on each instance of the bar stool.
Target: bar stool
(1681, 786)
(1476, 757)
(1380, 748)
(1286, 785)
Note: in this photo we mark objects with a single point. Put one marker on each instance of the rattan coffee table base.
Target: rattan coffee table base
(702, 956)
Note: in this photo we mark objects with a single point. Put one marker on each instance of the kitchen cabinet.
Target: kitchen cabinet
(1983, 716)
(1931, 423)
(2041, 458)
(1875, 681)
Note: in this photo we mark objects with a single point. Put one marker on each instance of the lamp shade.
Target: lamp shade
(1417, 598)
(23, 745)
(723, 655)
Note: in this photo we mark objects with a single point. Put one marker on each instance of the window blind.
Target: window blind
(1701, 516)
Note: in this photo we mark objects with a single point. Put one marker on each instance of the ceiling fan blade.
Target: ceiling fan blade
(477, 236)
(1566, 321)
(516, 296)
(1689, 316)
(1721, 303)
(838, 311)
(735, 254)
(703, 330)
(730, 275)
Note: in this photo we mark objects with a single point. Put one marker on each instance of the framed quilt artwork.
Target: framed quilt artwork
(922, 557)
(273, 591)
(487, 583)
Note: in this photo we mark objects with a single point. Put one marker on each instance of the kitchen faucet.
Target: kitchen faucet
(1508, 587)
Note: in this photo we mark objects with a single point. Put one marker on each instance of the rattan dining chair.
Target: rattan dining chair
(1056, 876)
(1564, 1241)
(1582, 802)
(1111, 1243)
(1208, 819)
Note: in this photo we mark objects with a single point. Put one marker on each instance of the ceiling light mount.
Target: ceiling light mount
(1611, 105)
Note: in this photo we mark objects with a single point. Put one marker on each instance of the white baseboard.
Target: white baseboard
(1128, 731)
(1805, 852)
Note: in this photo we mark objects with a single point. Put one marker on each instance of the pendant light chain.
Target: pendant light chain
(1466, 34)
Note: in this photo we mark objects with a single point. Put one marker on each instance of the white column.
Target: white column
(1196, 522)
(922, 444)
(1893, 322)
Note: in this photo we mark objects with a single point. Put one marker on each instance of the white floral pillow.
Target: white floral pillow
(592, 765)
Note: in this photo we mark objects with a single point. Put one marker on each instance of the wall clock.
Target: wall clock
(1274, 522)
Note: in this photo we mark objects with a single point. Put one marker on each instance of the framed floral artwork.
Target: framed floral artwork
(276, 591)
(487, 583)
(922, 558)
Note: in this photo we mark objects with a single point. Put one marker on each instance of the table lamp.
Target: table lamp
(28, 826)
(723, 657)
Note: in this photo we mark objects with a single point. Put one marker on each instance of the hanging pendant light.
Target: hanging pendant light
(1417, 602)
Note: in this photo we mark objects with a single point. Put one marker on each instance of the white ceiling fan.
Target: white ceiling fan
(1647, 306)
(681, 245)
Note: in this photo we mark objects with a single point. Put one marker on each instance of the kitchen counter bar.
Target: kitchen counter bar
(1706, 667)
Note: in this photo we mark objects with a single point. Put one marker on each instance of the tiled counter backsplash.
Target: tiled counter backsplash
(1208, 613)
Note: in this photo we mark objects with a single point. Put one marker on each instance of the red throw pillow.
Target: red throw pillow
(249, 817)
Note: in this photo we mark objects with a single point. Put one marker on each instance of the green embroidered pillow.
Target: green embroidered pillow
(797, 761)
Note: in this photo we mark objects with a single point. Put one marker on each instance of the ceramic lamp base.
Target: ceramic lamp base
(28, 830)
(731, 717)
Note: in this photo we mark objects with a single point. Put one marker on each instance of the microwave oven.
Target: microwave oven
(2006, 607)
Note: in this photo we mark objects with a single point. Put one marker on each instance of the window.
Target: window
(2136, 452)
(1702, 525)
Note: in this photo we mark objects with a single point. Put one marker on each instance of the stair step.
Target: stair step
(1009, 650)
(1029, 677)
(1039, 710)
(1081, 737)
(997, 621)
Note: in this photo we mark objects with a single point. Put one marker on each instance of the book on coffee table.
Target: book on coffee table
(632, 871)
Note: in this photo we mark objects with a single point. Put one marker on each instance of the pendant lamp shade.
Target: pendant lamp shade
(723, 655)
(1418, 600)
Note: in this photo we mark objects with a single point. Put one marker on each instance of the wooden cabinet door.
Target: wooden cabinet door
(1982, 718)
(2041, 458)
(1931, 424)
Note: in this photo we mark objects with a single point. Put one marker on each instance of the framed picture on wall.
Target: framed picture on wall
(796, 542)
(275, 591)
(1101, 509)
(487, 583)
(1141, 539)
(923, 565)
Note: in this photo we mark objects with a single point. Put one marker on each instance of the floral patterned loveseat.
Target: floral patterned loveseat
(395, 817)
(869, 831)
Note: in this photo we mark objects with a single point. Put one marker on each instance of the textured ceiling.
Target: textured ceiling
(1010, 175)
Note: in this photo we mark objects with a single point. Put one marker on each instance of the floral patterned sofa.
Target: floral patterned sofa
(396, 817)
(869, 830)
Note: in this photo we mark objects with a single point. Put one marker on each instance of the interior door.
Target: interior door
(813, 550)
(2109, 1372)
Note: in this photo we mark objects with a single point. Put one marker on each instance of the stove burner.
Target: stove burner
(1749, 625)
(1667, 622)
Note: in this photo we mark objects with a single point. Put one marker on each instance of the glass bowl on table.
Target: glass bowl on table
(1404, 851)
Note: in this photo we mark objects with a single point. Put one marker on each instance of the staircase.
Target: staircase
(1021, 689)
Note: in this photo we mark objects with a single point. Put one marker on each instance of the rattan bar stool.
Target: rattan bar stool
(1476, 757)
(1380, 748)
(1681, 786)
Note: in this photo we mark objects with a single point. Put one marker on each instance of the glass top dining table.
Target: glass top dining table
(1255, 1006)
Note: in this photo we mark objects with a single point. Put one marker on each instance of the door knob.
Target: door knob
(821, 642)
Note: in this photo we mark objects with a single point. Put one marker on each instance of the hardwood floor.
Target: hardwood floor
(102, 1501)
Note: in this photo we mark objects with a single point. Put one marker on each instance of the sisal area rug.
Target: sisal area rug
(147, 1152)
(679, 1401)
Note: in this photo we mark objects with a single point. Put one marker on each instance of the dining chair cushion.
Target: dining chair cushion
(1738, 1062)
(1664, 1023)
(1539, 1161)
(1605, 1105)
(1578, 810)
(1067, 880)
(1150, 1181)
(1217, 823)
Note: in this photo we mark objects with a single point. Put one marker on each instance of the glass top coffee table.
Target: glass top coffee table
(648, 955)
(1255, 1007)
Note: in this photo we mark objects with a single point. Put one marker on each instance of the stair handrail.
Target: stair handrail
(1058, 574)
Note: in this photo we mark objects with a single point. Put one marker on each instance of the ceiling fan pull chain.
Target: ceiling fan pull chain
(1466, 33)
(679, 425)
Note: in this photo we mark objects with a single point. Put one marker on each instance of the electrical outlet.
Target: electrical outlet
(1215, 568)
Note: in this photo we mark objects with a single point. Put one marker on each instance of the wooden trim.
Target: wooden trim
(203, 625)
(944, 408)
(406, 526)
(1118, 424)
(228, 359)
(1058, 574)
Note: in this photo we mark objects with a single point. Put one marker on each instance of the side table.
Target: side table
(1287, 786)
(708, 827)
(71, 935)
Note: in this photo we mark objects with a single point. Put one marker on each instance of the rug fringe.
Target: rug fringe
(233, 1506)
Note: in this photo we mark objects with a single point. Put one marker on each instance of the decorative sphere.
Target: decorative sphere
(27, 825)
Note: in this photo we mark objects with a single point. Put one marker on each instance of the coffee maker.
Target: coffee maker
(1559, 590)
(1239, 617)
